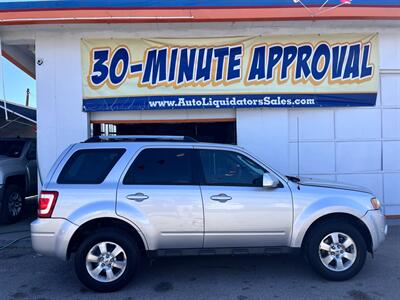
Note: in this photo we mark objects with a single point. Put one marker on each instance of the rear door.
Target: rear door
(159, 189)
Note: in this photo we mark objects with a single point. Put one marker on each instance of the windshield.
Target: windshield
(11, 148)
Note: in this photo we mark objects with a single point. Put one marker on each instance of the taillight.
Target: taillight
(46, 203)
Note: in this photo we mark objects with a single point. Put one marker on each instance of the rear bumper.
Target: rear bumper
(51, 237)
(375, 221)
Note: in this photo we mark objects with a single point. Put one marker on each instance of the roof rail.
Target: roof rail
(140, 138)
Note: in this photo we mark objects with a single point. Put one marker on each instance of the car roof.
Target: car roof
(140, 138)
(140, 141)
(151, 140)
(156, 143)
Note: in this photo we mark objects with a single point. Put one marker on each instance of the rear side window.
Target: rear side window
(89, 166)
(161, 166)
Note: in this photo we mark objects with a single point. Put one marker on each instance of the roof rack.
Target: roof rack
(140, 138)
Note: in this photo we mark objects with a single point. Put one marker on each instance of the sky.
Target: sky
(16, 82)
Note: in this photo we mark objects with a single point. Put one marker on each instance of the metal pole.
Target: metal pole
(2, 80)
(27, 97)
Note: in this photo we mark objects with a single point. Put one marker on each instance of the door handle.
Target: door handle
(139, 197)
(221, 198)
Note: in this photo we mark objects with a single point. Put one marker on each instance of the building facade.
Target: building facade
(345, 142)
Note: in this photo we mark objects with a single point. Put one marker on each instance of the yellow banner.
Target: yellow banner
(331, 70)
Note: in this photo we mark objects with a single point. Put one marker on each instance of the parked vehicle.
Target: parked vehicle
(111, 201)
(18, 176)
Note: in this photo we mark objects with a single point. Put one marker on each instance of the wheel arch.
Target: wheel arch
(17, 179)
(88, 227)
(340, 217)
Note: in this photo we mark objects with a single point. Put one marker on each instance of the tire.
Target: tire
(327, 260)
(111, 238)
(12, 205)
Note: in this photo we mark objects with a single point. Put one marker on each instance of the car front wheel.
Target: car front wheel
(107, 260)
(336, 251)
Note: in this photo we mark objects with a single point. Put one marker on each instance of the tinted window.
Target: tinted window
(230, 168)
(161, 166)
(89, 166)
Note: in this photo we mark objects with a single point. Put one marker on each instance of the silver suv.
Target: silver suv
(112, 201)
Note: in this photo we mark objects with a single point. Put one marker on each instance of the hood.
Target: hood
(332, 184)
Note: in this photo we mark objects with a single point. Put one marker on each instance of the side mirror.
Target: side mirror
(270, 181)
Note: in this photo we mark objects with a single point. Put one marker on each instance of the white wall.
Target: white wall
(265, 133)
(356, 145)
(59, 97)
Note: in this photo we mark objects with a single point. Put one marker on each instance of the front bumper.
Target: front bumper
(375, 221)
(51, 236)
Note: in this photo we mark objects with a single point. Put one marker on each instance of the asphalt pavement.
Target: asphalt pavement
(27, 275)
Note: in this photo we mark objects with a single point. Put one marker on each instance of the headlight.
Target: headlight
(375, 203)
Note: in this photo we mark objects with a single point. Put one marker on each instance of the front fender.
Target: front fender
(306, 216)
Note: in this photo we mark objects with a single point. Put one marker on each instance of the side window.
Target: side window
(161, 166)
(230, 168)
(89, 166)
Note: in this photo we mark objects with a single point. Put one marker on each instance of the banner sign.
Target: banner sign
(262, 71)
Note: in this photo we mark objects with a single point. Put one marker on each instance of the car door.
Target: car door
(159, 189)
(238, 211)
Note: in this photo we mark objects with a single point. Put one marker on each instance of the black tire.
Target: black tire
(118, 237)
(10, 213)
(313, 251)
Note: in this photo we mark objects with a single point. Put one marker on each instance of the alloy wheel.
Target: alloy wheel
(15, 204)
(337, 251)
(106, 261)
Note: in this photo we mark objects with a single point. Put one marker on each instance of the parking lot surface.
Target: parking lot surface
(27, 275)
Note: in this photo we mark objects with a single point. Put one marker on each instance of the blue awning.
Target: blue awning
(76, 4)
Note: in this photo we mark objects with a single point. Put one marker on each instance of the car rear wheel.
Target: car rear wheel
(12, 204)
(107, 260)
(336, 251)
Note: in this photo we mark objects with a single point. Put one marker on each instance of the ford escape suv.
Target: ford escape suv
(111, 201)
